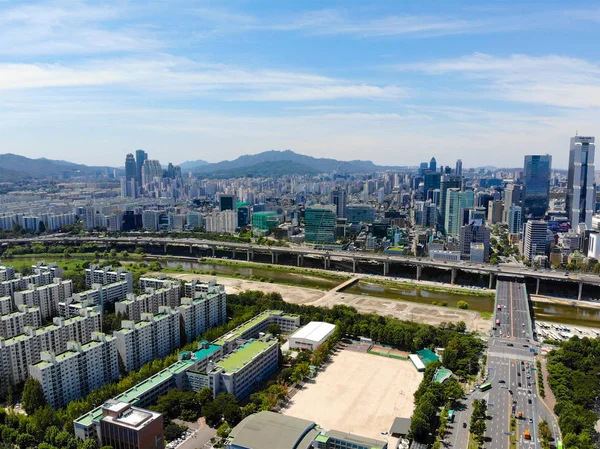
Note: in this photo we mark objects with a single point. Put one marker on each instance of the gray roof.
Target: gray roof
(356, 439)
(268, 430)
(400, 426)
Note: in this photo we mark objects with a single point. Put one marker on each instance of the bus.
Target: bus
(451, 416)
(485, 386)
(559, 444)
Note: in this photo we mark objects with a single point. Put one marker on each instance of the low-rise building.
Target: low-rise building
(311, 336)
(127, 427)
(445, 256)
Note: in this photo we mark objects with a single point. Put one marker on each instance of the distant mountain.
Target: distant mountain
(320, 165)
(192, 165)
(16, 166)
(7, 175)
(264, 170)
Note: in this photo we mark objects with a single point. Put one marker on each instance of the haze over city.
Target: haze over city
(88, 82)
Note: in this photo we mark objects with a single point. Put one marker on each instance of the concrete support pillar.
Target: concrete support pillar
(212, 250)
(166, 246)
(233, 253)
(537, 286)
(272, 258)
(326, 262)
(491, 284)
(354, 265)
(580, 290)
(386, 268)
(419, 272)
(191, 249)
(453, 276)
(249, 255)
(299, 260)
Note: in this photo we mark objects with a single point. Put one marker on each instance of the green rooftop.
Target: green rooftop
(322, 438)
(237, 359)
(238, 331)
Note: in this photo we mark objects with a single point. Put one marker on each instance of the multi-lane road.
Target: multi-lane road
(511, 372)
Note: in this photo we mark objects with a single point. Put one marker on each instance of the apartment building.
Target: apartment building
(156, 336)
(6, 273)
(22, 350)
(46, 297)
(98, 295)
(52, 267)
(233, 363)
(20, 282)
(206, 310)
(106, 275)
(76, 372)
(159, 282)
(149, 302)
(5, 305)
(13, 324)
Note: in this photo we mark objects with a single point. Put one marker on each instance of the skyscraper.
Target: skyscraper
(432, 164)
(535, 239)
(130, 167)
(459, 167)
(581, 199)
(512, 196)
(456, 203)
(140, 157)
(338, 198)
(536, 185)
(447, 182)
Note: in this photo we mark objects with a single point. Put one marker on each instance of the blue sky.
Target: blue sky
(394, 82)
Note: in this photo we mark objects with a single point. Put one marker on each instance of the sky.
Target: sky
(395, 82)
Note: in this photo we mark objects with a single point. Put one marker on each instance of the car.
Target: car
(509, 344)
(518, 374)
(519, 384)
(464, 425)
(525, 346)
(523, 324)
(501, 381)
(530, 420)
(528, 391)
(529, 401)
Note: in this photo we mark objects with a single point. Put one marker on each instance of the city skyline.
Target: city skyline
(348, 81)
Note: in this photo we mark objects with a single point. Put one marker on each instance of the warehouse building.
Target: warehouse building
(311, 336)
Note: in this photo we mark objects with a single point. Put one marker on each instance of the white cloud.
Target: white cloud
(551, 80)
(171, 76)
(64, 27)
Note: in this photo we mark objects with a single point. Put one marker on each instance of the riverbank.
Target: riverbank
(400, 309)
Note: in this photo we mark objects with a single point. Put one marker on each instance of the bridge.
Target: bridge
(416, 264)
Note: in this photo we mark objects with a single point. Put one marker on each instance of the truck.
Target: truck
(451, 416)
(499, 307)
(526, 434)
(520, 415)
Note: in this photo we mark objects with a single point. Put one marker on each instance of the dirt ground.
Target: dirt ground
(358, 393)
(403, 310)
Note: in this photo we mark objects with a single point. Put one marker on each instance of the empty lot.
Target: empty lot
(358, 393)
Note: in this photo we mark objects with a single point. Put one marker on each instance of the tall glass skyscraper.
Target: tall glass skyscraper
(536, 185)
(140, 158)
(581, 196)
(130, 167)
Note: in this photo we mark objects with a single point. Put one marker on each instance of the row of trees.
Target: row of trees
(478, 421)
(573, 371)
(429, 397)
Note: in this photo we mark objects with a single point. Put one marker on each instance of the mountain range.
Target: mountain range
(16, 168)
(286, 162)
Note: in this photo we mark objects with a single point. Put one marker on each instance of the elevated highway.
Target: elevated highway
(416, 264)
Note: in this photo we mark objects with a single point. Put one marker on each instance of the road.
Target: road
(511, 371)
(555, 275)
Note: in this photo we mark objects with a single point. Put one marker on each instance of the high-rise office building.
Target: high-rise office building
(514, 220)
(130, 167)
(319, 225)
(581, 198)
(534, 241)
(459, 167)
(536, 185)
(447, 181)
(512, 197)
(338, 198)
(140, 158)
(432, 164)
(456, 203)
(227, 202)
(151, 169)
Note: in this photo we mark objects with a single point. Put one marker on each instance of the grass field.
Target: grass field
(358, 393)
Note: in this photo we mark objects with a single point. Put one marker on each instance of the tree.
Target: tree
(41, 227)
(90, 444)
(223, 430)
(462, 305)
(232, 413)
(274, 329)
(478, 430)
(33, 396)
(173, 431)
(205, 396)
